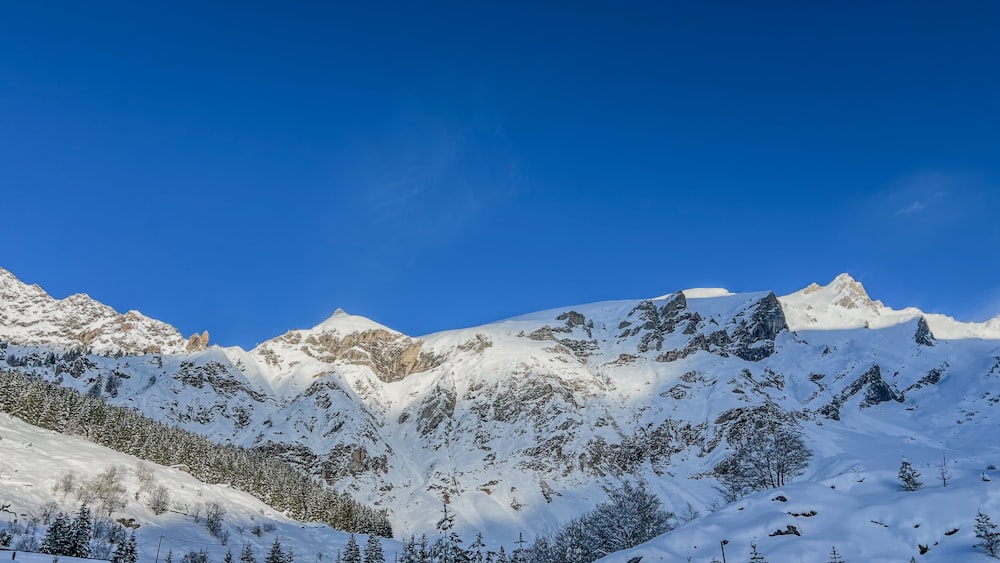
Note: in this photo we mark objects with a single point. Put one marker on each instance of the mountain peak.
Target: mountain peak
(11, 287)
(851, 294)
(842, 303)
(345, 323)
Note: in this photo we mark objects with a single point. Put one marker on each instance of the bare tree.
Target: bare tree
(65, 484)
(945, 474)
(145, 476)
(213, 518)
(107, 490)
(159, 500)
(765, 461)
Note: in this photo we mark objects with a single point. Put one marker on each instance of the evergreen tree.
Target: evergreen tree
(276, 555)
(410, 553)
(373, 550)
(518, 555)
(126, 551)
(82, 530)
(246, 556)
(835, 556)
(986, 533)
(476, 549)
(755, 556)
(170, 556)
(58, 538)
(501, 556)
(200, 556)
(908, 477)
(448, 549)
(352, 552)
(228, 557)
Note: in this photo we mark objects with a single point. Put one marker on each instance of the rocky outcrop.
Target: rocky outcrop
(874, 390)
(390, 356)
(923, 336)
(197, 342)
(655, 323)
(753, 339)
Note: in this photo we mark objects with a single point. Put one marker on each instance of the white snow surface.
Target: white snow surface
(524, 423)
(705, 292)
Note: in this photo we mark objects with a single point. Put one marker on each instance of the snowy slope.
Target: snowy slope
(32, 460)
(521, 424)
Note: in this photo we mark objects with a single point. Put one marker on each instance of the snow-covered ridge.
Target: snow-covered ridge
(844, 304)
(28, 315)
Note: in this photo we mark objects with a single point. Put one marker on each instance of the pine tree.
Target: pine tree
(246, 555)
(908, 477)
(228, 557)
(170, 556)
(986, 533)
(126, 551)
(501, 556)
(449, 546)
(352, 552)
(82, 530)
(423, 548)
(373, 550)
(276, 555)
(58, 538)
(835, 556)
(518, 555)
(755, 556)
(476, 549)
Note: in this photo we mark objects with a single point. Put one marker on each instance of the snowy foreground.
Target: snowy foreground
(864, 514)
(32, 460)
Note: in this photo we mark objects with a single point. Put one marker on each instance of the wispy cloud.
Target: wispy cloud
(427, 179)
(934, 196)
(915, 207)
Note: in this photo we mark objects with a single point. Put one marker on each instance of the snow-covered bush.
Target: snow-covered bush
(908, 477)
(987, 534)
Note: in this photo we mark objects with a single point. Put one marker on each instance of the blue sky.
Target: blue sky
(249, 168)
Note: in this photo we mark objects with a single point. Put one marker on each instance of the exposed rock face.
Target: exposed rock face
(656, 322)
(575, 325)
(197, 342)
(873, 388)
(390, 356)
(923, 335)
(753, 340)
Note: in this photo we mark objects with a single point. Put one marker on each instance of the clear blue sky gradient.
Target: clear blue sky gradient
(248, 168)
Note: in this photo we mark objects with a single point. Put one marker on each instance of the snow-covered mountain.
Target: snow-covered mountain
(521, 424)
(28, 315)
